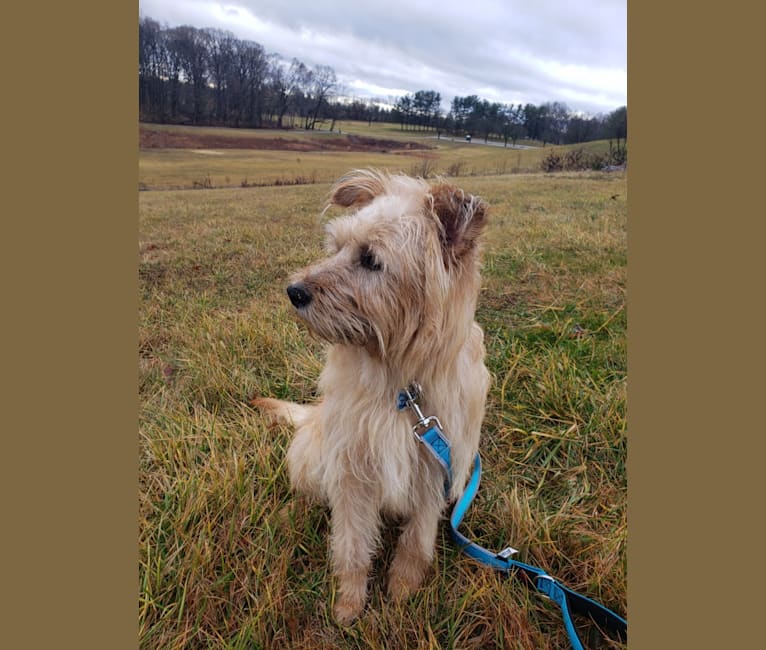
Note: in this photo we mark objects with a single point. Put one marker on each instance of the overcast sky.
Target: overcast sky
(502, 50)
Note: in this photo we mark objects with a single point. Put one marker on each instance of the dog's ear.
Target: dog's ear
(357, 188)
(462, 217)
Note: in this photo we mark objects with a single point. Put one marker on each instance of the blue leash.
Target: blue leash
(569, 601)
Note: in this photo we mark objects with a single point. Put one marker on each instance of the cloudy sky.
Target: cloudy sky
(501, 50)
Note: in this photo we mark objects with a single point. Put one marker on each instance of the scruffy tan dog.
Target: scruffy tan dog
(395, 299)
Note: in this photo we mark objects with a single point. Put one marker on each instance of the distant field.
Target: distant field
(229, 557)
(179, 168)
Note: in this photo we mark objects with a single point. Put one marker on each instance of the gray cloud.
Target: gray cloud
(502, 50)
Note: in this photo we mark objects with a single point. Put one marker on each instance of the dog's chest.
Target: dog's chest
(376, 446)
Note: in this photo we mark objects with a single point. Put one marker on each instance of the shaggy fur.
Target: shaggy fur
(395, 298)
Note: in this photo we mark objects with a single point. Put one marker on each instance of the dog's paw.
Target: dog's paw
(282, 412)
(405, 577)
(261, 403)
(400, 589)
(268, 408)
(350, 596)
(346, 612)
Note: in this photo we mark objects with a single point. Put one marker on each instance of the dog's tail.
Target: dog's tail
(281, 411)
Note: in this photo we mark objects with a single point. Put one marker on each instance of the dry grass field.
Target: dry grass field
(175, 157)
(229, 557)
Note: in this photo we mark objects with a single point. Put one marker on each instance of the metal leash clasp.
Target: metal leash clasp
(428, 431)
(409, 398)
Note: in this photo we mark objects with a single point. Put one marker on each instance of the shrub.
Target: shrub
(618, 155)
(204, 184)
(579, 159)
(552, 162)
(456, 168)
(575, 159)
(424, 168)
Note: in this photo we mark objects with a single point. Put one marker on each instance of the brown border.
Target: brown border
(693, 474)
(70, 316)
(70, 465)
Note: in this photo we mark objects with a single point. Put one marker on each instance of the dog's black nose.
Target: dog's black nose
(299, 295)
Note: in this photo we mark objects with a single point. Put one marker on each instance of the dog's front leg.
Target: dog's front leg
(415, 548)
(355, 537)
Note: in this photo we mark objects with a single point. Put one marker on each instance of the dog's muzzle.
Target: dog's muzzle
(299, 295)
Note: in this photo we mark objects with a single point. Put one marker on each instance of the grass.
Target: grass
(162, 169)
(230, 558)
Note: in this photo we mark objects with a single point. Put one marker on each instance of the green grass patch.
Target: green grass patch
(230, 558)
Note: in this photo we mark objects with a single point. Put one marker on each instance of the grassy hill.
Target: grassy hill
(201, 157)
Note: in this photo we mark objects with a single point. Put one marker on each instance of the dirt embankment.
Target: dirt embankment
(151, 139)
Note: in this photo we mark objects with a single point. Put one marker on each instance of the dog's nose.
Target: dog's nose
(299, 295)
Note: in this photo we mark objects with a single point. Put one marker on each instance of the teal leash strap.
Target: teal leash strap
(569, 601)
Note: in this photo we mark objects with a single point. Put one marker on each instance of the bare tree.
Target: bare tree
(512, 117)
(557, 119)
(322, 87)
(152, 68)
(221, 47)
(249, 74)
(190, 46)
(286, 83)
(616, 124)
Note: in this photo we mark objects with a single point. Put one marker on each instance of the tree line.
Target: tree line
(208, 76)
(551, 122)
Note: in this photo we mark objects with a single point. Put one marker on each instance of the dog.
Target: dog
(395, 299)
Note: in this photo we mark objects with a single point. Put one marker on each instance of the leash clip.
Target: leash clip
(409, 397)
(428, 431)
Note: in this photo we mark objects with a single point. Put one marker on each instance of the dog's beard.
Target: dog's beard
(351, 329)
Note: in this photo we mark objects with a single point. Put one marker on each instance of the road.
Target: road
(425, 137)
(481, 141)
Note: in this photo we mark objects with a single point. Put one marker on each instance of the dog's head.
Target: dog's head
(402, 266)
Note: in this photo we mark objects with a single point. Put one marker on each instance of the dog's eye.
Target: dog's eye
(368, 260)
